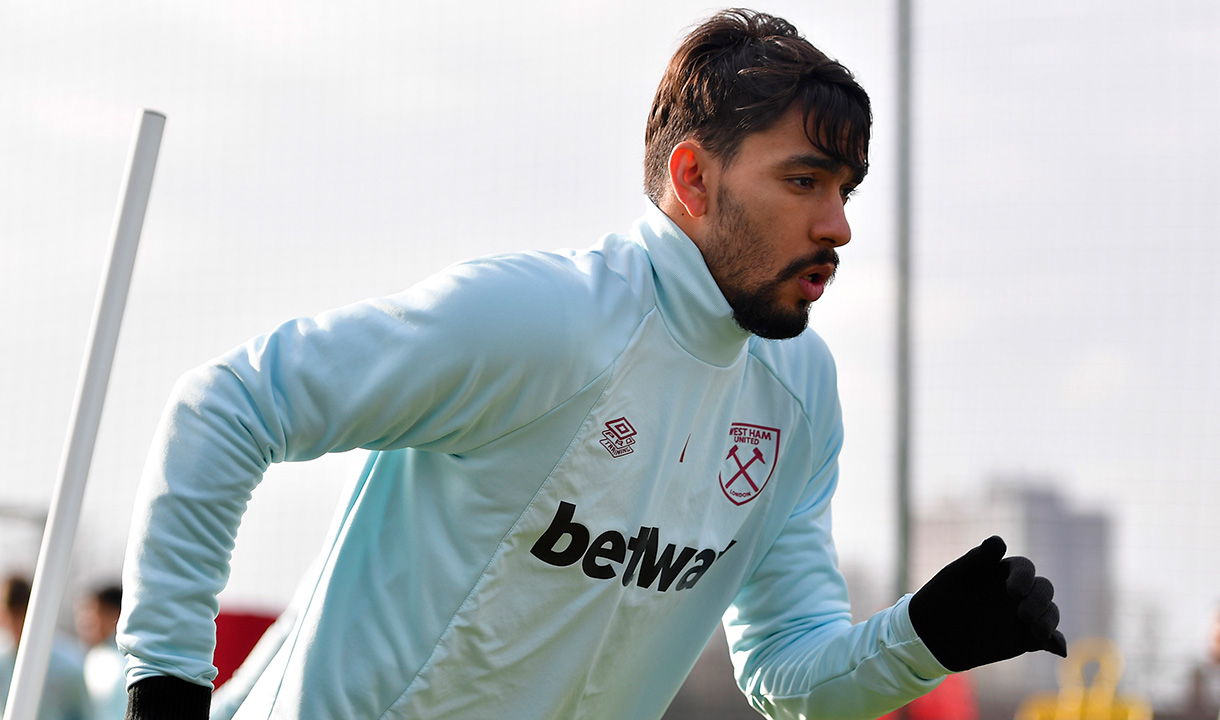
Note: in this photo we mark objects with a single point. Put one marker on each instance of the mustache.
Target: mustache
(824, 256)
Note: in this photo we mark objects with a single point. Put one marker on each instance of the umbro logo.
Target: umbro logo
(618, 437)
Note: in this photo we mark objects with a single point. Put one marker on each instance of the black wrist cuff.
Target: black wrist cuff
(167, 698)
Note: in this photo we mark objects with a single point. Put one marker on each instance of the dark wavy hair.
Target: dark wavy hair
(737, 73)
(15, 594)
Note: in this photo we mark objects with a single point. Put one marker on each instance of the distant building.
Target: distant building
(1069, 546)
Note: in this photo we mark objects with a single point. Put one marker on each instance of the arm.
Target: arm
(980, 609)
(449, 365)
(795, 649)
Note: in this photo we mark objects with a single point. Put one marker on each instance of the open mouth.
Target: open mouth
(812, 286)
(814, 283)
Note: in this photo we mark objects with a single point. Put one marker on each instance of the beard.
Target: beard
(736, 256)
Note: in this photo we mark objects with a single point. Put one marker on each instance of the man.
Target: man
(64, 696)
(97, 618)
(581, 461)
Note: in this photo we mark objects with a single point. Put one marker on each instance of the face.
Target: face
(1215, 645)
(11, 622)
(775, 217)
(95, 621)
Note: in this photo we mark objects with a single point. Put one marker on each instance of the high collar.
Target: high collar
(694, 309)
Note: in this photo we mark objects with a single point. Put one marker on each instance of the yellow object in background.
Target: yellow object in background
(1079, 699)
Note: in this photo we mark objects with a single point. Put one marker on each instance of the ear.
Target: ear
(689, 166)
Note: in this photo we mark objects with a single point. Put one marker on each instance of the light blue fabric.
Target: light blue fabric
(64, 694)
(104, 678)
(579, 463)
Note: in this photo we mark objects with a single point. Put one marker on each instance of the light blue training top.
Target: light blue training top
(580, 464)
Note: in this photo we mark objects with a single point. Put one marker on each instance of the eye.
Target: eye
(805, 182)
(847, 193)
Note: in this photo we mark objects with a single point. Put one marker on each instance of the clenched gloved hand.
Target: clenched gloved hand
(983, 607)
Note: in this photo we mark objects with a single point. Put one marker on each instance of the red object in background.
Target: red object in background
(236, 634)
(953, 699)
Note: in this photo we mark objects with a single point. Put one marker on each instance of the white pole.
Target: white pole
(902, 411)
(51, 573)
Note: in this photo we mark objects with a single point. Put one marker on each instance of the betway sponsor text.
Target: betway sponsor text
(566, 542)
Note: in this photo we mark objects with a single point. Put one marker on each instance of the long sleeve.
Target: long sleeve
(795, 650)
(451, 364)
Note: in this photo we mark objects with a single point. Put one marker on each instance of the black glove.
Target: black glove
(982, 608)
(167, 698)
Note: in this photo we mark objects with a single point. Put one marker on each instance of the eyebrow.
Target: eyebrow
(817, 161)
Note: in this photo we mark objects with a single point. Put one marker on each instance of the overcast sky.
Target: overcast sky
(1067, 220)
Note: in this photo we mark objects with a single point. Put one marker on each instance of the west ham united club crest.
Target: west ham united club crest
(750, 461)
(618, 437)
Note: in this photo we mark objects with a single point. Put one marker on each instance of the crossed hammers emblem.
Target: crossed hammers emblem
(741, 468)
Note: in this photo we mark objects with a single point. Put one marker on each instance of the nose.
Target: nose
(830, 226)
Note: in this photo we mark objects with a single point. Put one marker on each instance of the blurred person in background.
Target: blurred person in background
(64, 695)
(1213, 647)
(97, 616)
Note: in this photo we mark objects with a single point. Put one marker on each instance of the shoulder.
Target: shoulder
(568, 300)
(805, 367)
(608, 275)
